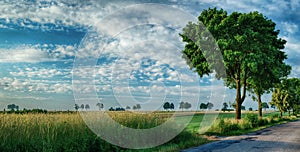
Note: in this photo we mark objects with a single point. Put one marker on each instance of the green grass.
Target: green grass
(249, 123)
(68, 132)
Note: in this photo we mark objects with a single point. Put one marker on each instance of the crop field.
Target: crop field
(68, 132)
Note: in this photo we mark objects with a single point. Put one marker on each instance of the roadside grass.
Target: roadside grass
(68, 132)
(249, 123)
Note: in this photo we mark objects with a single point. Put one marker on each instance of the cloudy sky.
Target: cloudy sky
(54, 54)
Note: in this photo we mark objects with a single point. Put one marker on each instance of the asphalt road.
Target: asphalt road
(280, 138)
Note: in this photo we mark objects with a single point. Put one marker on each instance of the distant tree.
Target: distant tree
(111, 109)
(209, 105)
(87, 107)
(76, 107)
(134, 107)
(138, 106)
(225, 107)
(128, 108)
(100, 105)
(265, 106)
(203, 106)
(232, 105)
(13, 107)
(243, 107)
(172, 107)
(273, 106)
(120, 109)
(82, 106)
(166, 105)
(250, 109)
(187, 105)
(181, 105)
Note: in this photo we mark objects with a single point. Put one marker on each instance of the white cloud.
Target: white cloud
(23, 54)
(41, 73)
(292, 46)
(290, 28)
(60, 13)
(36, 86)
(36, 53)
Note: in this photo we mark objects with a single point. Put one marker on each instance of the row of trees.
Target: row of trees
(242, 49)
(206, 106)
(101, 106)
(168, 106)
(232, 105)
(82, 107)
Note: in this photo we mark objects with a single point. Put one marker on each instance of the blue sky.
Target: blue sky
(41, 42)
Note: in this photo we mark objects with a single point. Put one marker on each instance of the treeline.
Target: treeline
(25, 111)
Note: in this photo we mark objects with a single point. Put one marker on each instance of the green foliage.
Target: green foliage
(286, 95)
(279, 99)
(26, 111)
(265, 105)
(166, 105)
(252, 118)
(225, 106)
(206, 106)
(13, 107)
(250, 122)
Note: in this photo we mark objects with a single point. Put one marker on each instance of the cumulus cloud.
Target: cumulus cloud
(23, 54)
(35, 86)
(290, 28)
(41, 73)
(37, 53)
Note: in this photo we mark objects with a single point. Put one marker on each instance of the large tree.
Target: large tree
(292, 87)
(279, 99)
(269, 68)
(244, 39)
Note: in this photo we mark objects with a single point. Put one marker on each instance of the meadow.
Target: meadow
(68, 131)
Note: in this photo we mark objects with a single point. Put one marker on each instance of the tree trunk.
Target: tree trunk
(280, 114)
(259, 105)
(238, 100)
(238, 110)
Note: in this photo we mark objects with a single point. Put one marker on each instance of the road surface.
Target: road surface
(280, 138)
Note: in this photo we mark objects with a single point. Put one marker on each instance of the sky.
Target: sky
(54, 54)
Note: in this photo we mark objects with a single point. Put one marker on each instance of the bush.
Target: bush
(262, 122)
(252, 118)
(224, 126)
(275, 115)
(245, 124)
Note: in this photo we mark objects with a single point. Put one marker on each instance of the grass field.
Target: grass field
(68, 132)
